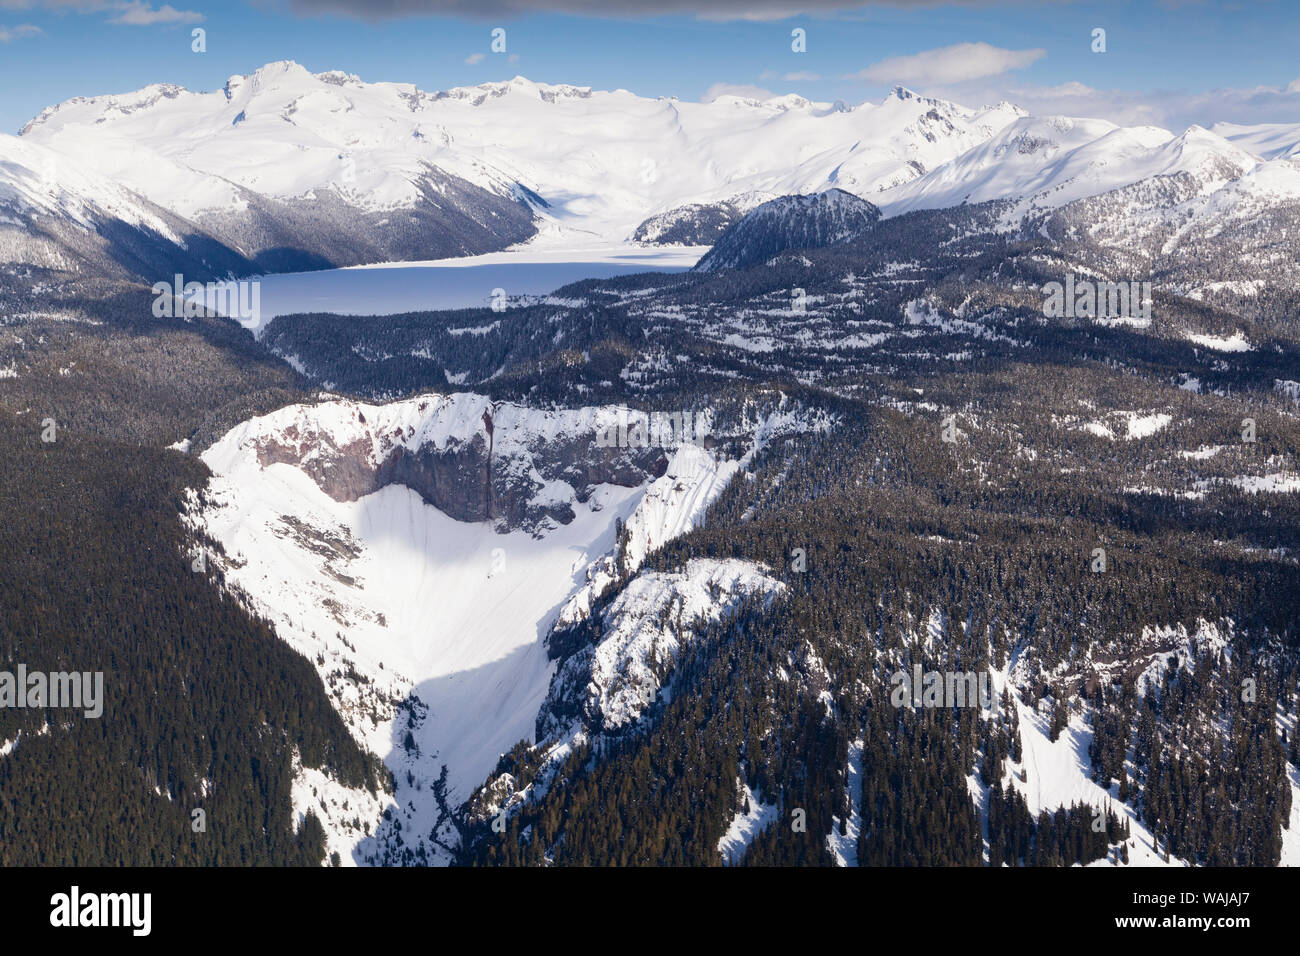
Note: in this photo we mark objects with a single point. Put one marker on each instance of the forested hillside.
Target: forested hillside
(204, 707)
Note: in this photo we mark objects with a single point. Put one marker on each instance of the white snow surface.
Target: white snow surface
(1048, 161)
(745, 826)
(1142, 426)
(1236, 342)
(844, 846)
(43, 180)
(342, 811)
(638, 645)
(1268, 140)
(1128, 425)
(1276, 483)
(1058, 773)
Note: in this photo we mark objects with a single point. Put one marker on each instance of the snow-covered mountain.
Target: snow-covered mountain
(791, 222)
(511, 466)
(57, 214)
(295, 170)
(697, 223)
(35, 180)
(1267, 140)
(329, 147)
(1216, 222)
(1047, 162)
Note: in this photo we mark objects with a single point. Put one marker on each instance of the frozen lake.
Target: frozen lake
(394, 287)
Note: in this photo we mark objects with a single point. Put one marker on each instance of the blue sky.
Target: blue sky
(1170, 63)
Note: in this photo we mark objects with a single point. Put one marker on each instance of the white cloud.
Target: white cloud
(79, 6)
(802, 77)
(22, 30)
(959, 63)
(1174, 110)
(723, 10)
(136, 13)
(140, 14)
(475, 58)
(735, 89)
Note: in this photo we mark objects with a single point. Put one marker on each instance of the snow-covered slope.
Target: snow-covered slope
(37, 180)
(1208, 204)
(642, 634)
(594, 161)
(58, 213)
(1267, 140)
(697, 223)
(607, 688)
(1047, 162)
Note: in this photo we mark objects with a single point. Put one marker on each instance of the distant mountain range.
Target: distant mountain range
(285, 170)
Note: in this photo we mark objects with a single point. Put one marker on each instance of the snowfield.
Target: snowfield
(1222, 343)
(745, 826)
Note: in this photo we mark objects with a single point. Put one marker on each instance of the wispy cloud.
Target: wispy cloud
(959, 63)
(736, 89)
(475, 58)
(1171, 109)
(136, 13)
(140, 14)
(759, 10)
(8, 34)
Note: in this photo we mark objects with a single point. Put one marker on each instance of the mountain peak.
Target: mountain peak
(273, 70)
(914, 100)
(902, 93)
(1005, 106)
(267, 76)
(788, 223)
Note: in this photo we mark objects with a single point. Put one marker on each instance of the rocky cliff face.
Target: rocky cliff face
(467, 457)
